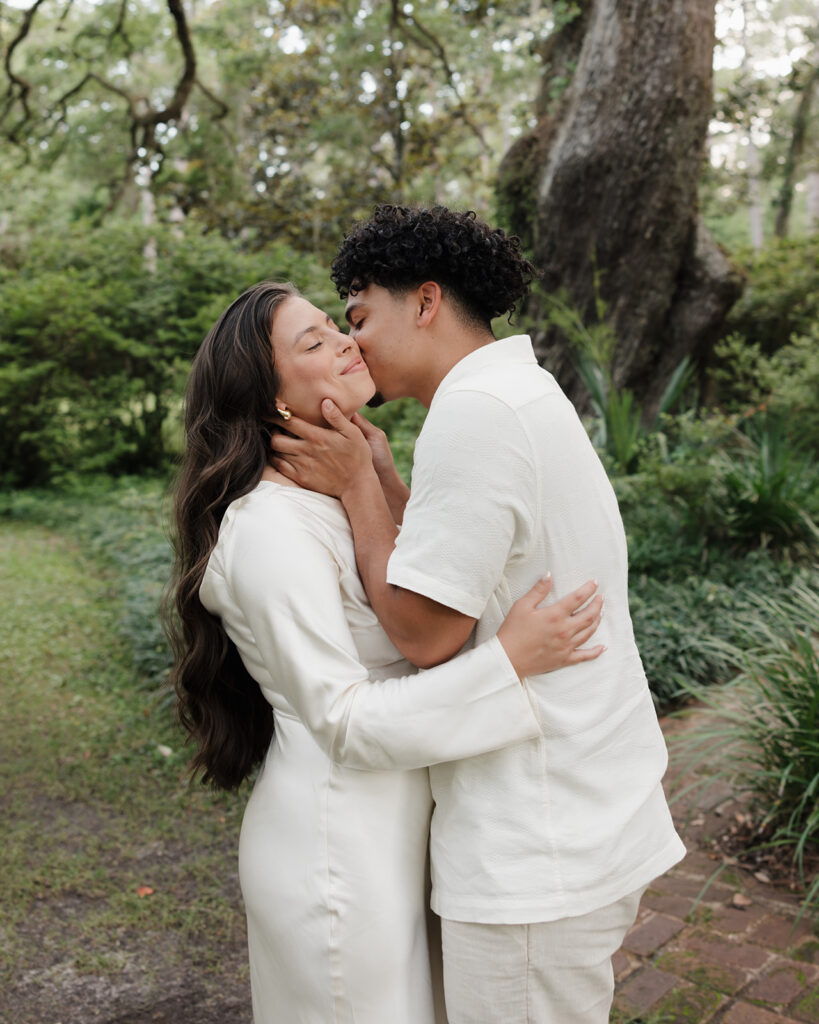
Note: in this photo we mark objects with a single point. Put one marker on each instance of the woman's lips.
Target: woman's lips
(356, 364)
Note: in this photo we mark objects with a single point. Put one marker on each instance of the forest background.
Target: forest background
(158, 158)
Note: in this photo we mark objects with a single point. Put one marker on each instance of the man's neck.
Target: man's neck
(447, 353)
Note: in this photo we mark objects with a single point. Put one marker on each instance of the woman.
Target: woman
(273, 625)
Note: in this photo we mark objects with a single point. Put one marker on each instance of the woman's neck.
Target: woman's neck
(274, 476)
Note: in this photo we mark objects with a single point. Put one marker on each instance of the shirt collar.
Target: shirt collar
(517, 349)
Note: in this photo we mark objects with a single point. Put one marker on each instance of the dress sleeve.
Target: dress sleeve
(473, 503)
(285, 581)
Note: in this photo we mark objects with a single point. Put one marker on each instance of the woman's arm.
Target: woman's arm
(284, 579)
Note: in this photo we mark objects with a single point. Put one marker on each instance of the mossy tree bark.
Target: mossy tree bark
(605, 188)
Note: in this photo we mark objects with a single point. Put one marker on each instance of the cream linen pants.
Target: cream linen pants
(554, 972)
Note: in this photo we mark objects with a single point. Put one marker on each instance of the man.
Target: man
(540, 852)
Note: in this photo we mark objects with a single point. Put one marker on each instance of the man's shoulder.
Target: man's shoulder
(512, 384)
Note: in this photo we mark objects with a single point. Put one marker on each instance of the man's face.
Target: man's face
(381, 323)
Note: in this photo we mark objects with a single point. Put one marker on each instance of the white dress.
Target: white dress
(333, 848)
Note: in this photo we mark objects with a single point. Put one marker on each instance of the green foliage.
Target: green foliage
(781, 298)
(773, 493)
(401, 421)
(785, 383)
(621, 422)
(768, 722)
(95, 341)
(121, 523)
(96, 803)
(672, 623)
(714, 517)
(305, 113)
(681, 621)
(703, 485)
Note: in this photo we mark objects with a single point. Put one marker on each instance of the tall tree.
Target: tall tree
(604, 188)
(809, 75)
(74, 73)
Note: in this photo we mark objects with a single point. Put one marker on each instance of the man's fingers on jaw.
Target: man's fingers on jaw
(282, 443)
(364, 425)
(301, 428)
(334, 416)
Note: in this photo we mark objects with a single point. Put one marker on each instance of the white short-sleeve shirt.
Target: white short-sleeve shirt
(506, 486)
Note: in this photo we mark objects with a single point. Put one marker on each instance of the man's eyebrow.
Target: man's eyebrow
(349, 310)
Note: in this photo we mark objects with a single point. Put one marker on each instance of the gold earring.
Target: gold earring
(284, 413)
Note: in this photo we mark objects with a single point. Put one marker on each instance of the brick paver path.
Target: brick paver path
(733, 956)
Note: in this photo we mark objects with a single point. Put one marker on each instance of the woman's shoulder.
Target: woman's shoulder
(271, 500)
(277, 514)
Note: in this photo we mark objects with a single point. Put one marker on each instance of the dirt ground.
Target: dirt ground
(119, 893)
(151, 976)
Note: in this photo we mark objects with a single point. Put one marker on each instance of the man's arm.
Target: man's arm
(424, 631)
(395, 490)
(339, 462)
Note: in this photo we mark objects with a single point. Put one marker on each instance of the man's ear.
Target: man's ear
(428, 302)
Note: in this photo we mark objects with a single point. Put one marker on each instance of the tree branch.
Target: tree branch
(432, 44)
(173, 110)
(224, 109)
(143, 116)
(22, 84)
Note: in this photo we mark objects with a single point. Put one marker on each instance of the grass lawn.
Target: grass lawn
(121, 899)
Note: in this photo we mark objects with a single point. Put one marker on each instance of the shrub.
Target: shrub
(706, 484)
(767, 721)
(122, 523)
(95, 343)
(679, 623)
(781, 298)
(621, 421)
(785, 384)
(401, 421)
(673, 623)
(772, 491)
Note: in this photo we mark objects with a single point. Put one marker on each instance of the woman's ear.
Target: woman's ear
(428, 302)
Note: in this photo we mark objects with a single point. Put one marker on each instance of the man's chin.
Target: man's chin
(376, 400)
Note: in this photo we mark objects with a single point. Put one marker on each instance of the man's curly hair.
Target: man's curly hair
(399, 247)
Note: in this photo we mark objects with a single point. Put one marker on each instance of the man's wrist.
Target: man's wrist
(358, 485)
(395, 490)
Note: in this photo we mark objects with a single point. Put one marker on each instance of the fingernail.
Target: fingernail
(326, 405)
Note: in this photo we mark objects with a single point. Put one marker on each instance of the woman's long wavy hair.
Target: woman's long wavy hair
(230, 409)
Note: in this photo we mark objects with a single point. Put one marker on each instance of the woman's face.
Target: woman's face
(315, 360)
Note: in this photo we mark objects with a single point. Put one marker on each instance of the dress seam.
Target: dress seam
(333, 952)
(528, 967)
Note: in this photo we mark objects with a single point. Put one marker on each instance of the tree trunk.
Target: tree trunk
(811, 203)
(605, 187)
(795, 149)
(754, 173)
